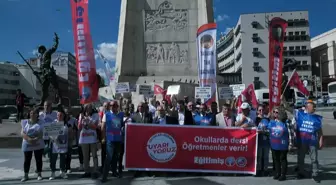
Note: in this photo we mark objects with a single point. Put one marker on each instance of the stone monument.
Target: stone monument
(157, 40)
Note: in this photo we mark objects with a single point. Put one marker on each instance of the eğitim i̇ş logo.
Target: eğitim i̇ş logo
(277, 131)
(161, 147)
(241, 162)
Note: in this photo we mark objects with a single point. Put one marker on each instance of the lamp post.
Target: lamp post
(324, 54)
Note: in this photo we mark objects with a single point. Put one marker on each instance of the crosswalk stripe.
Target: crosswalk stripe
(3, 160)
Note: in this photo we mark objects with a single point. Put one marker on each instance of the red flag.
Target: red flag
(295, 81)
(247, 95)
(163, 92)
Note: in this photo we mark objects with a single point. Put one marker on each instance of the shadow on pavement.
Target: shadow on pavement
(193, 181)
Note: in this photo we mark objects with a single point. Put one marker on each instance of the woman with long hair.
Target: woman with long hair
(281, 140)
(32, 134)
(87, 125)
(59, 145)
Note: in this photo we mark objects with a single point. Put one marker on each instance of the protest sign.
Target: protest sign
(122, 87)
(146, 90)
(237, 89)
(190, 149)
(225, 93)
(202, 92)
(53, 129)
(173, 89)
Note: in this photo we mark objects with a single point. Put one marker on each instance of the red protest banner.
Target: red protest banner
(190, 149)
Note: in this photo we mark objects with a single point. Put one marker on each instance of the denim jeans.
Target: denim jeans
(112, 154)
(53, 159)
(313, 154)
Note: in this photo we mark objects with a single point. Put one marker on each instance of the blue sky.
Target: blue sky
(28, 23)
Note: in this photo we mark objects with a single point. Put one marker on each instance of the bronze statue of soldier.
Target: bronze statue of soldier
(47, 72)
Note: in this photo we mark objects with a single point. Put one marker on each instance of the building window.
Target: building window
(255, 37)
(303, 32)
(290, 23)
(254, 24)
(284, 48)
(255, 52)
(256, 66)
(290, 33)
(297, 47)
(304, 47)
(291, 48)
(304, 62)
(297, 33)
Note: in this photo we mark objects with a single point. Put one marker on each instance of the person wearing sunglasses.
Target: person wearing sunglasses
(281, 140)
(263, 142)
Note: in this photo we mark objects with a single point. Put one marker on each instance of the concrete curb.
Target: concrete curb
(16, 142)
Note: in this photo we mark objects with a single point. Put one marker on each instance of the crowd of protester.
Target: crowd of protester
(105, 127)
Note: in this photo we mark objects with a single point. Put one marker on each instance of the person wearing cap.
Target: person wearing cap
(309, 138)
(245, 119)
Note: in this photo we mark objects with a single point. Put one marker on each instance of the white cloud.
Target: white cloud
(35, 52)
(222, 17)
(108, 50)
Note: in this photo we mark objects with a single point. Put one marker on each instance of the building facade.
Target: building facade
(65, 65)
(9, 83)
(245, 48)
(323, 54)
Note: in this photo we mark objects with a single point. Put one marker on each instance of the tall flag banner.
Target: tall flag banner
(207, 59)
(296, 82)
(277, 29)
(108, 70)
(85, 62)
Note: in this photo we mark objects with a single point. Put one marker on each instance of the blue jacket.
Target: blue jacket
(114, 123)
(307, 128)
(279, 135)
(204, 120)
(263, 138)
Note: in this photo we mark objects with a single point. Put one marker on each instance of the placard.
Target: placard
(225, 93)
(133, 87)
(237, 89)
(173, 89)
(122, 87)
(146, 90)
(53, 130)
(202, 92)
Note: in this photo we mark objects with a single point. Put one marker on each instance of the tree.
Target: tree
(101, 81)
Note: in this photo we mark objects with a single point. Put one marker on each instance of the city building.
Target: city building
(323, 54)
(245, 48)
(9, 83)
(65, 65)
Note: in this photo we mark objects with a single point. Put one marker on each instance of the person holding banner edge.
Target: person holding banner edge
(32, 142)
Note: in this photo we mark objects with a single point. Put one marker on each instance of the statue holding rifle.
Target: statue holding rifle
(47, 72)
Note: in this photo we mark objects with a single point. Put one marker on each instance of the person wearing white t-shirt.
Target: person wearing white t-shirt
(48, 116)
(245, 119)
(87, 125)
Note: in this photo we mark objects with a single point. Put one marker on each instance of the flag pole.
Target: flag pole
(101, 56)
(288, 82)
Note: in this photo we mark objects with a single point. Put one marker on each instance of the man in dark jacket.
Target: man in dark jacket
(20, 97)
(163, 119)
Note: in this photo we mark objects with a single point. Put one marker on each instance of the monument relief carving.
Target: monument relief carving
(167, 53)
(166, 17)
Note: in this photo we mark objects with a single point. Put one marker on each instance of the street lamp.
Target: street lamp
(320, 65)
